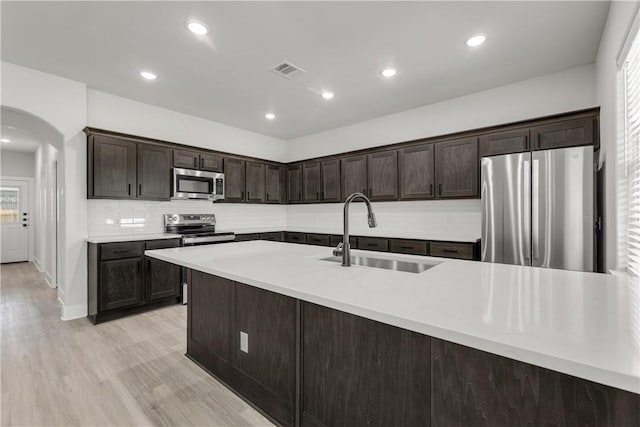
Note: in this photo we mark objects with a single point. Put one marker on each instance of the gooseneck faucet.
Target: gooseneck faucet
(344, 248)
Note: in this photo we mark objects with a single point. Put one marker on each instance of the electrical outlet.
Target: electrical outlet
(244, 342)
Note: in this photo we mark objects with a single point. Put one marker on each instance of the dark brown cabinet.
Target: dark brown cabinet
(382, 170)
(417, 172)
(457, 168)
(121, 281)
(568, 133)
(311, 182)
(413, 247)
(162, 280)
(354, 175)
(211, 162)
(318, 239)
(154, 172)
(274, 184)
(293, 237)
(112, 167)
(255, 182)
(330, 187)
(453, 250)
(294, 184)
(234, 180)
(373, 244)
(360, 372)
(504, 142)
(189, 159)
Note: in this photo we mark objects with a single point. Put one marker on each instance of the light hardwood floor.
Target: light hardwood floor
(128, 372)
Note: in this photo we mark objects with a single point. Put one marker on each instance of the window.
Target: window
(630, 147)
(9, 205)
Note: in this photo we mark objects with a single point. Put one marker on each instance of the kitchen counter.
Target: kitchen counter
(444, 237)
(132, 237)
(581, 324)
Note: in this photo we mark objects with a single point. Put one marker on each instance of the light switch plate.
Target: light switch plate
(244, 342)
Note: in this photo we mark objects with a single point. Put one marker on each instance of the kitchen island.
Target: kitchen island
(310, 342)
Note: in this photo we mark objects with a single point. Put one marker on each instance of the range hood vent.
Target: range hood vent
(287, 70)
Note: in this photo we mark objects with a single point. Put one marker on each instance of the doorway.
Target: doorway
(14, 220)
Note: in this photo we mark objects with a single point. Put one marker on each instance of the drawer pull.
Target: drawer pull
(123, 251)
(406, 247)
(450, 251)
(372, 244)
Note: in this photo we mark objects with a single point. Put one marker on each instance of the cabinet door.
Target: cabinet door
(457, 168)
(185, 159)
(210, 162)
(234, 177)
(505, 142)
(354, 175)
(267, 353)
(274, 183)
(383, 175)
(120, 283)
(114, 167)
(255, 182)
(154, 172)
(294, 184)
(311, 182)
(359, 372)
(569, 133)
(417, 172)
(330, 188)
(162, 279)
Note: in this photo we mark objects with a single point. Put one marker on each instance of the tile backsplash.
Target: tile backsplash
(435, 217)
(114, 217)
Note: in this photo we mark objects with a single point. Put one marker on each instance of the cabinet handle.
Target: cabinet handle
(201, 163)
(267, 197)
(122, 251)
(129, 190)
(139, 189)
(431, 189)
(317, 195)
(440, 189)
(526, 143)
(450, 251)
(195, 162)
(406, 247)
(248, 196)
(371, 244)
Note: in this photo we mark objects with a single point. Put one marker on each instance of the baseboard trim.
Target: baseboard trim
(38, 264)
(49, 280)
(70, 312)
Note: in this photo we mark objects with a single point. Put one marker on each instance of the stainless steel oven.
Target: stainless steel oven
(196, 184)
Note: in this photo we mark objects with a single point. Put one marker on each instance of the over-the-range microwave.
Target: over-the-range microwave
(196, 184)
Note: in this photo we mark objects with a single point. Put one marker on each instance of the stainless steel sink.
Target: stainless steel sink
(387, 264)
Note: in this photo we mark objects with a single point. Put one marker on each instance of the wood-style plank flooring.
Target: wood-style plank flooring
(128, 372)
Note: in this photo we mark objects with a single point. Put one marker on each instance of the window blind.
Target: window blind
(631, 135)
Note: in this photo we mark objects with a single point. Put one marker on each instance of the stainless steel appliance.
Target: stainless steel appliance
(196, 229)
(196, 184)
(538, 209)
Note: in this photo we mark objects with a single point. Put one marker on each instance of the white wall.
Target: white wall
(568, 90)
(124, 115)
(17, 163)
(44, 220)
(608, 94)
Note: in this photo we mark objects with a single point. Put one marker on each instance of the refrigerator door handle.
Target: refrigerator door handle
(535, 211)
(526, 208)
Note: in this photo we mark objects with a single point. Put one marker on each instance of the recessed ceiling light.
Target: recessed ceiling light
(5, 140)
(327, 95)
(476, 40)
(389, 72)
(270, 116)
(197, 27)
(148, 75)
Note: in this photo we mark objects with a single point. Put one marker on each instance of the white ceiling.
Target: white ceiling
(20, 139)
(342, 45)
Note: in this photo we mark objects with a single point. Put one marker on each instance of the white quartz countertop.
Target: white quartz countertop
(447, 237)
(132, 237)
(582, 324)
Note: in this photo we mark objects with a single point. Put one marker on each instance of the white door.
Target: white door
(14, 221)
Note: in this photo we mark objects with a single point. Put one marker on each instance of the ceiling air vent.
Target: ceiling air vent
(287, 70)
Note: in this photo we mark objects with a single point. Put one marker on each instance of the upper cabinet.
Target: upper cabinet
(417, 172)
(504, 142)
(294, 184)
(111, 168)
(354, 175)
(188, 159)
(311, 182)
(330, 186)
(569, 133)
(274, 184)
(210, 162)
(234, 180)
(457, 168)
(154, 172)
(382, 168)
(255, 184)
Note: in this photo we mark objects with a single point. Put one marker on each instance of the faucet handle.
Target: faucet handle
(338, 249)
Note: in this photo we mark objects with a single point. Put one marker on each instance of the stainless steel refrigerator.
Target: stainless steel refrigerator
(538, 209)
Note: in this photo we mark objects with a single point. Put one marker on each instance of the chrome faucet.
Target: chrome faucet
(344, 248)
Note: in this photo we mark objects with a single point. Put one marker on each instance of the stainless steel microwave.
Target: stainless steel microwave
(195, 184)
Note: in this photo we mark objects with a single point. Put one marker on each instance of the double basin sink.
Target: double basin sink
(386, 263)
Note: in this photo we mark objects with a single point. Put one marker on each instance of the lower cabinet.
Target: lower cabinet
(121, 281)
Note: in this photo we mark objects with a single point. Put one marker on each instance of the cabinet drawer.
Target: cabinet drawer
(273, 237)
(373, 244)
(162, 244)
(120, 250)
(247, 237)
(414, 247)
(296, 237)
(335, 240)
(318, 239)
(452, 250)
